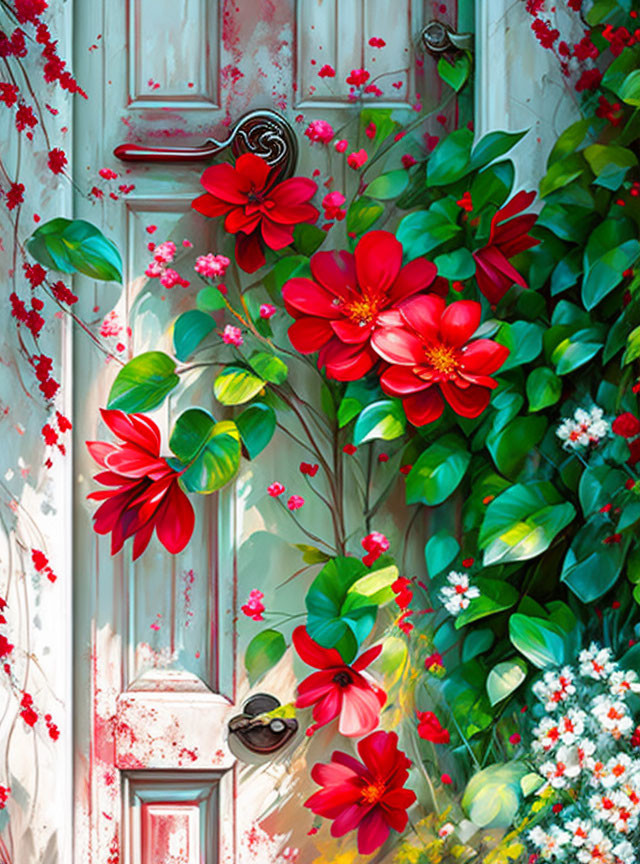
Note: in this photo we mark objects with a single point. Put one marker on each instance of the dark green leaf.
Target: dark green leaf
(456, 71)
(510, 447)
(451, 158)
(209, 299)
(495, 596)
(458, 264)
(440, 552)
(384, 420)
(438, 471)
(524, 341)
(76, 246)
(494, 145)
(262, 654)
(544, 388)
(256, 425)
(189, 330)
(143, 383)
(210, 450)
(424, 230)
(538, 640)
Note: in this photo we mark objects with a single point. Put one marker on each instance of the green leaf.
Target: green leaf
(606, 272)
(493, 796)
(504, 678)
(424, 230)
(256, 425)
(455, 72)
(262, 654)
(384, 420)
(576, 350)
(269, 367)
(234, 386)
(522, 522)
(524, 341)
(511, 446)
(311, 554)
(495, 596)
(308, 238)
(567, 272)
(451, 158)
(493, 185)
(438, 471)
(143, 383)
(591, 567)
(189, 330)
(494, 145)
(477, 642)
(544, 388)
(357, 395)
(610, 163)
(458, 264)
(375, 587)
(598, 485)
(632, 351)
(537, 639)
(440, 552)
(362, 214)
(570, 140)
(561, 173)
(629, 91)
(209, 299)
(464, 693)
(76, 246)
(389, 185)
(210, 450)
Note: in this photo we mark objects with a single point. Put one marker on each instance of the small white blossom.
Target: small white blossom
(595, 662)
(554, 688)
(456, 595)
(621, 683)
(583, 429)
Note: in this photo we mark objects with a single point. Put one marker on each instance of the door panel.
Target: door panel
(159, 660)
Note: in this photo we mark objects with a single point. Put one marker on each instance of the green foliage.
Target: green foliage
(540, 641)
(209, 450)
(262, 654)
(256, 425)
(493, 795)
(235, 386)
(143, 383)
(189, 331)
(438, 471)
(384, 420)
(76, 246)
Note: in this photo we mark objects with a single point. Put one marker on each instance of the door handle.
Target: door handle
(259, 734)
(439, 38)
(265, 133)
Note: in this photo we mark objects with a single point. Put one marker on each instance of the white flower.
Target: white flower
(595, 662)
(446, 829)
(579, 829)
(596, 848)
(547, 735)
(456, 595)
(618, 771)
(571, 726)
(564, 768)
(624, 852)
(613, 716)
(584, 428)
(550, 843)
(621, 683)
(555, 687)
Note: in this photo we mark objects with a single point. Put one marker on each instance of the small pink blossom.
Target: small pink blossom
(358, 77)
(154, 270)
(276, 489)
(341, 145)
(319, 130)
(357, 159)
(232, 335)
(170, 278)
(267, 310)
(373, 88)
(332, 203)
(107, 174)
(327, 72)
(187, 244)
(164, 252)
(374, 544)
(377, 42)
(110, 325)
(371, 130)
(211, 265)
(254, 607)
(295, 502)
(407, 160)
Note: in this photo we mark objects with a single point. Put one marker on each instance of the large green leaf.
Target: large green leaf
(504, 678)
(612, 248)
(262, 654)
(143, 383)
(451, 158)
(576, 350)
(465, 694)
(357, 395)
(629, 91)
(375, 586)
(544, 388)
(362, 214)
(495, 596)
(389, 185)
(493, 796)
(540, 641)
(424, 230)
(440, 552)
(76, 246)
(256, 425)
(591, 567)
(458, 264)
(189, 330)
(524, 341)
(210, 450)
(384, 420)
(235, 385)
(438, 471)
(494, 145)
(511, 446)
(610, 163)
(455, 71)
(269, 367)
(561, 173)
(493, 185)
(522, 522)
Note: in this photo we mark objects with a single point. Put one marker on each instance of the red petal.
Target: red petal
(335, 271)
(211, 206)
(468, 402)
(483, 357)
(360, 712)
(414, 276)
(351, 333)
(99, 450)
(141, 539)
(293, 192)
(491, 281)
(238, 220)
(346, 362)
(400, 381)
(373, 832)
(133, 461)
(133, 428)
(398, 345)
(349, 819)
(310, 298)
(459, 322)
(312, 653)
(424, 407)
(175, 520)
(276, 236)
(367, 658)
(423, 314)
(378, 752)
(252, 170)
(310, 334)
(378, 258)
(249, 252)
(225, 183)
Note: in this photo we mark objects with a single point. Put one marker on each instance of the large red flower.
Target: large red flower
(425, 342)
(370, 797)
(338, 689)
(259, 210)
(508, 237)
(143, 492)
(337, 311)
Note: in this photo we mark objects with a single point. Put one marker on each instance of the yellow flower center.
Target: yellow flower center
(364, 309)
(442, 358)
(373, 793)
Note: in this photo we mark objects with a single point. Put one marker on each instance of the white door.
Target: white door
(159, 669)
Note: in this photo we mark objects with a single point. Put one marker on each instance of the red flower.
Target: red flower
(259, 210)
(425, 343)
(626, 425)
(57, 160)
(144, 490)
(338, 689)
(430, 728)
(337, 310)
(370, 797)
(374, 544)
(494, 273)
